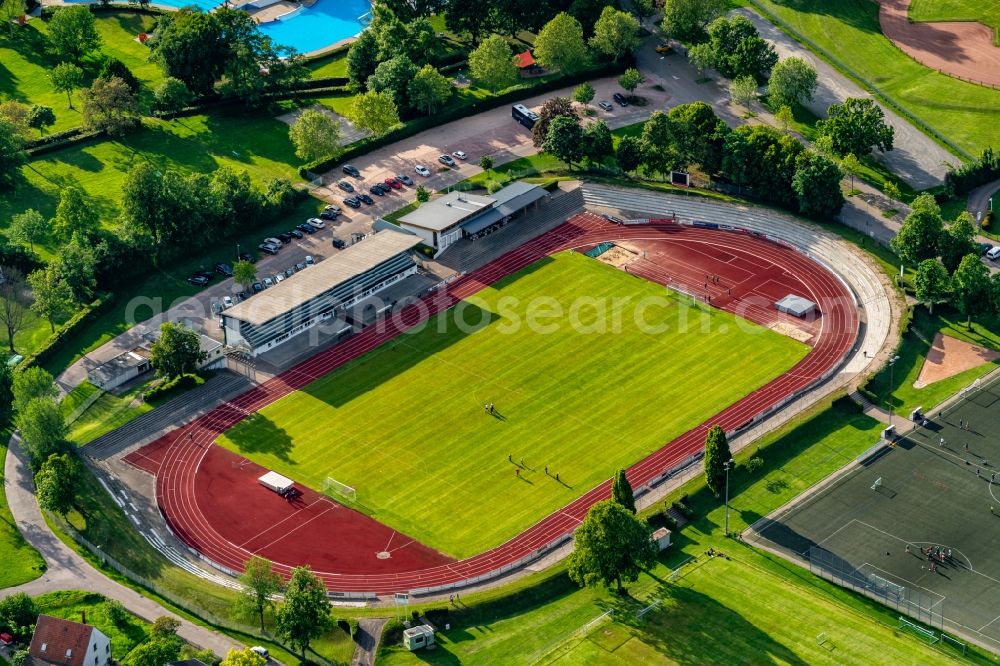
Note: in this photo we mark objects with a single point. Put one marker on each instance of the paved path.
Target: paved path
(979, 198)
(68, 571)
(368, 637)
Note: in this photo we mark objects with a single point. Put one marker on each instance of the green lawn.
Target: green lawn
(21, 562)
(987, 13)
(849, 29)
(913, 350)
(584, 404)
(70, 604)
(752, 609)
(25, 60)
(107, 413)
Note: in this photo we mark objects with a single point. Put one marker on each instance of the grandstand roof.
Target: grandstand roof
(447, 211)
(305, 285)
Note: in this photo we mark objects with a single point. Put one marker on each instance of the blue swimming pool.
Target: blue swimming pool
(326, 22)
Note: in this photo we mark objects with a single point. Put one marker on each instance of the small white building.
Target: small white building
(66, 643)
(662, 538)
(418, 637)
(134, 362)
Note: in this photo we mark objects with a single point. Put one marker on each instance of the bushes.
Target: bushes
(173, 386)
(972, 174)
(57, 340)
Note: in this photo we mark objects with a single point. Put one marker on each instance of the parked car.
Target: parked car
(256, 649)
(339, 244)
(224, 269)
(620, 98)
(316, 222)
(309, 260)
(606, 105)
(284, 238)
(353, 202)
(206, 274)
(422, 170)
(198, 280)
(289, 272)
(257, 287)
(351, 170)
(328, 215)
(227, 302)
(300, 267)
(344, 185)
(446, 160)
(268, 282)
(273, 241)
(216, 307)
(295, 233)
(279, 277)
(367, 199)
(984, 248)
(377, 190)
(222, 322)
(267, 247)
(404, 179)
(308, 228)
(460, 154)
(246, 256)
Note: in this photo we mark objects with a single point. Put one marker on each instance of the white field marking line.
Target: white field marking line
(847, 524)
(294, 515)
(289, 532)
(389, 543)
(401, 547)
(573, 518)
(916, 543)
(910, 583)
(989, 623)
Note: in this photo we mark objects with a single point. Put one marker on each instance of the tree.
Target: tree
(784, 118)
(793, 81)
(958, 241)
(43, 429)
(685, 20)
(172, 95)
(362, 58)
(920, 234)
(315, 136)
(584, 93)
(244, 274)
(817, 184)
(560, 44)
(306, 611)
(6, 393)
(857, 126)
(851, 166)
(110, 106)
(629, 153)
(28, 228)
(743, 90)
(429, 90)
(375, 112)
(189, 46)
(565, 140)
(244, 657)
(643, 8)
(763, 158)
(716, 456)
(114, 67)
(621, 491)
(587, 12)
(630, 79)
(971, 288)
(164, 627)
(77, 264)
(702, 56)
(891, 190)
(53, 297)
(423, 194)
(10, 11)
(658, 153)
(73, 32)
(737, 49)
(260, 582)
(13, 303)
(178, 351)
(12, 155)
(462, 16)
(551, 109)
(154, 652)
(616, 33)
(40, 117)
(66, 77)
(597, 142)
(492, 65)
(17, 114)
(931, 283)
(485, 162)
(394, 76)
(612, 546)
(56, 482)
(76, 213)
(31, 383)
(698, 135)
(18, 613)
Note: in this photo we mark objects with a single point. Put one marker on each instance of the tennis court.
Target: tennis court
(916, 526)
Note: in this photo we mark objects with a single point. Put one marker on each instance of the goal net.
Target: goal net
(333, 487)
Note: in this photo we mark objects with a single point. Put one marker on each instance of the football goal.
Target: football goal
(335, 488)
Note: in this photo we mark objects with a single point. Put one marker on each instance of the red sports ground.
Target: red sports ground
(212, 501)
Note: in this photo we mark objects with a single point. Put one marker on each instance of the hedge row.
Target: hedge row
(175, 385)
(57, 340)
(418, 125)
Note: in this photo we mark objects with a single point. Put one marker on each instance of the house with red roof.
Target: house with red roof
(59, 642)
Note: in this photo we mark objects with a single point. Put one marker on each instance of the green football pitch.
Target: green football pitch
(405, 424)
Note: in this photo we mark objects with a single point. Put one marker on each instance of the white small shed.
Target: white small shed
(276, 482)
(662, 538)
(418, 637)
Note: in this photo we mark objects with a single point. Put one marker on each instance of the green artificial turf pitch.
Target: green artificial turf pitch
(405, 424)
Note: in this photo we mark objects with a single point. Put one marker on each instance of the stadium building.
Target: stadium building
(456, 215)
(320, 293)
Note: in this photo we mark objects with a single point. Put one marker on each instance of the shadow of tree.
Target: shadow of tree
(259, 434)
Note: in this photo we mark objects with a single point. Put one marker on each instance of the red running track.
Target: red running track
(180, 459)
